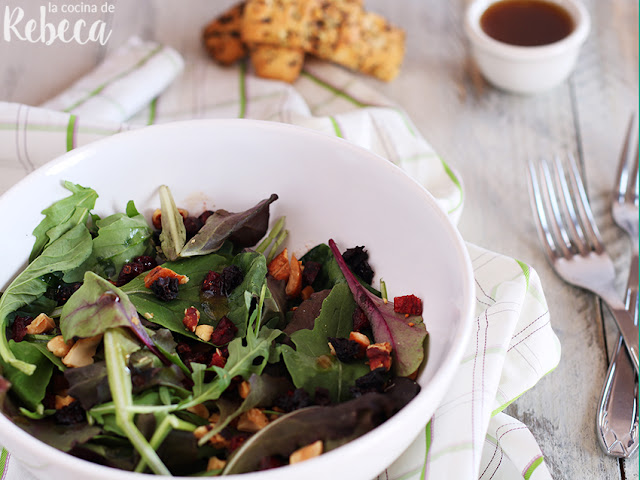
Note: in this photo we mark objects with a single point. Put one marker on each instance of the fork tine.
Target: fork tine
(540, 217)
(575, 230)
(551, 198)
(623, 178)
(582, 204)
(632, 191)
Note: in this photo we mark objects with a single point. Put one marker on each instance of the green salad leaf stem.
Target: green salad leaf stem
(274, 249)
(273, 234)
(121, 392)
(173, 234)
(65, 253)
(169, 422)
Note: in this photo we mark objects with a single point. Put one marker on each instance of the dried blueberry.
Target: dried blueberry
(232, 276)
(165, 288)
(310, 272)
(293, 400)
(70, 415)
(374, 381)
(61, 292)
(357, 258)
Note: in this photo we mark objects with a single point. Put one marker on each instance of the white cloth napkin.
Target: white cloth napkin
(512, 343)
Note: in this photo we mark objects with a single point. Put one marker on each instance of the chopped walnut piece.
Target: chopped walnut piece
(191, 319)
(201, 431)
(204, 332)
(218, 441)
(214, 418)
(58, 346)
(43, 323)
(279, 267)
(305, 453)
(379, 355)
(82, 352)
(161, 272)
(362, 340)
(63, 401)
(244, 389)
(324, 361)
(306, 292)
(199, 410)
(294, 284)
(215, 464)
(252, 420)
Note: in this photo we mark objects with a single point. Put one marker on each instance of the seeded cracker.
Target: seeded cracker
(280, 63)
(222, 37)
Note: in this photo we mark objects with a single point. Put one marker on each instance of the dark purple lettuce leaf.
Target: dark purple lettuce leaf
(305, 315)
(62, 437)
(334, 425)
(89, 385)
(406, 335)
(247, 227)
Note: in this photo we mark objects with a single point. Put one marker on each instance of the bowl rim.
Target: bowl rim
(523, 54)
(442, 377)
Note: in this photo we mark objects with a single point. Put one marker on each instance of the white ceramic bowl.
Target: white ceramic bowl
(526, 70)
(328, 188)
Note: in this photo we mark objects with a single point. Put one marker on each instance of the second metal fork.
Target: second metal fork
(572, 243)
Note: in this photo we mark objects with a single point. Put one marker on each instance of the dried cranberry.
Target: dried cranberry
(147, 261)
(134, 268)
(61, 292)
(346, 350)
(204, 216)
(217, 360)
(70, 415)
(224, 332)
(19, 327)
(232, 276)
(271, 461)
(360, 320)
(357, 258)
(196, 353)
(165, 288)
(408, 304)
(236, 441)
(374, 381)
(192, 225)
(213, 284)
(310, 272)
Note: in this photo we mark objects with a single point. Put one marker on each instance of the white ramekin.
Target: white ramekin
(526, 70)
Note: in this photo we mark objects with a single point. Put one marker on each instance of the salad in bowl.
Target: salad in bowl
(251, 333)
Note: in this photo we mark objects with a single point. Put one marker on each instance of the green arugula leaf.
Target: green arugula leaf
(67, 252)
(62, 216)
(173, 233)
(121, 238)
(30, 389)
(170, 314)
(254, 267)
(311, 365)
(222, 225)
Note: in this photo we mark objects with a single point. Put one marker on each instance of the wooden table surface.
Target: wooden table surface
(487, 135)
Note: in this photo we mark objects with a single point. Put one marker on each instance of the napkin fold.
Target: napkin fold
(512, 343)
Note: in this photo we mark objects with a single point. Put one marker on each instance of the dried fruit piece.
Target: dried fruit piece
(294, 284)
(165, 288)
(161, 272)
(213, 284)
(279, 268)
(191, 318)
(224, 332)
(407, 304)
(346, 350)
(357, 259)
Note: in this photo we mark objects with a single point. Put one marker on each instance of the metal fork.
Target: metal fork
(572, 243)
(617, 418)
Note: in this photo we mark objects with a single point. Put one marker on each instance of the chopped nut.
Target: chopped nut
(43, 323)
(305, 453)
(204, 332)
(82, 352)
(214, 418)
(215, 464)
(362, 340)
(252, 421)
(191, 319)
(244, 389)
(218, 441)
(324, 361)
(63, 401)
(306, 292)
(161, 272)
(199, 410)
(201, 431)
(379, 355)
(279, 267)
(332, 349)
(148, 315)
(58, 346)
(294, 284)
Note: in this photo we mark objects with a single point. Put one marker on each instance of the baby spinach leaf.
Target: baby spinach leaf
(222, 224)
(66, 253)
(170, 314)
(97, 306)
(121, 238)
(311, 365)
(254, 267)
(406, 335)
(30, 389)
(173, 233)
(335, 425)
(62, 216)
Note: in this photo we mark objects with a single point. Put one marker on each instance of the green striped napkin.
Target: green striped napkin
(512, 344)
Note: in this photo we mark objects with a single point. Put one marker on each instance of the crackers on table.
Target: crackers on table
(325, 22)
(276, 22)
(386, 47)
(280, 63)
(223, 37)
